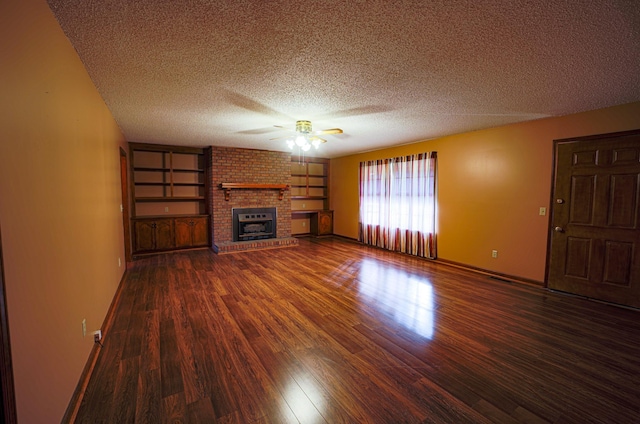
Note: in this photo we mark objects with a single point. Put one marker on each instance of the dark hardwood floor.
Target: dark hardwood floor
(334, 332)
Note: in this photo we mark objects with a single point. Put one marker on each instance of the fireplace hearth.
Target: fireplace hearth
(254, 223)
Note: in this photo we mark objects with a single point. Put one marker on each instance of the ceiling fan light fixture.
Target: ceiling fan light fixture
(305, 137)
(301, 140)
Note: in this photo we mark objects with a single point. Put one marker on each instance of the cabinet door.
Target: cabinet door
(200, 231)
(184, 229)
(144, 236)
(164, 234)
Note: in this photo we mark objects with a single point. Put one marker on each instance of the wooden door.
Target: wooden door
(125, 205)
(8, 400)
(595, 234)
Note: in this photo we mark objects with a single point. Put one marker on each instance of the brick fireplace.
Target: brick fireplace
(249, 166)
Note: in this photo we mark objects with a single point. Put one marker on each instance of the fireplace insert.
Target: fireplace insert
(254, 223)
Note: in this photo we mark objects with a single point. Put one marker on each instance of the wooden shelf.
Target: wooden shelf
(187, 170)
(160, 184)
(139, 218)
(151, 169)
(305, 186)
(170, 199)
(305, 211)
(227, 187)
(310, 197)
(309, 175)
(168, 178)
(173, 175)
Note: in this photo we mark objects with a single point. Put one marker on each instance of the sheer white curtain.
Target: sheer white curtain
(397, 204)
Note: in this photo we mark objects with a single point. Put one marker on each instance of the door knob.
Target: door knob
(560, 201)
(558, 230)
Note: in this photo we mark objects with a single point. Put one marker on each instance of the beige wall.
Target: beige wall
(491, 185)
(59, 207)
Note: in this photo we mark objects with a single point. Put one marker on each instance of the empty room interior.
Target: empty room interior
(320, 212)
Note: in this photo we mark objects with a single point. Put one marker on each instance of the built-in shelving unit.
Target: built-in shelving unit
(169, 190)
(310, 212)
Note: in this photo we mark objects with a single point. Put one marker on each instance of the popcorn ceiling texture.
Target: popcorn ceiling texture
(387, 72)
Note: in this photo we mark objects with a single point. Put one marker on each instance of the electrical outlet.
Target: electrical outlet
(97, 336)
(543, 211)
(494, 253)
(84, 327)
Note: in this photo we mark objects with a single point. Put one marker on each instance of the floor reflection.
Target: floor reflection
(302, 396)
(409, 299)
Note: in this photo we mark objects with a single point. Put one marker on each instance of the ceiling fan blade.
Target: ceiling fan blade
(258, 131)
(329, 131)
(284, 128)
(318, 138)
(280, 138)
(354, 111)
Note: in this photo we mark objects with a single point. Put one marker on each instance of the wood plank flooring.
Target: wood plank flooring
(335, 332)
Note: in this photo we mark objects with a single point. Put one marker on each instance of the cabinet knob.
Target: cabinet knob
(558, 230)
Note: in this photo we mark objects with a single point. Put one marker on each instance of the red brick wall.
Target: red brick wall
(233, 165)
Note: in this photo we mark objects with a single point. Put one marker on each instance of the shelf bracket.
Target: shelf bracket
(227, 187)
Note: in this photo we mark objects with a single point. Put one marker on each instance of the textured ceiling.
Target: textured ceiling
(206, 72)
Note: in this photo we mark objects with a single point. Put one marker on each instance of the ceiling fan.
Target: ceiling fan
(305, 137)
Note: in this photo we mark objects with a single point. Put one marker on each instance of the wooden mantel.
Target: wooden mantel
(227, 187)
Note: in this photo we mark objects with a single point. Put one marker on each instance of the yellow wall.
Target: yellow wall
(491, 185)
(60, 201)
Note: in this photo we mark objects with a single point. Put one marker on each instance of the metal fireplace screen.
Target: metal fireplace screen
(253, 224)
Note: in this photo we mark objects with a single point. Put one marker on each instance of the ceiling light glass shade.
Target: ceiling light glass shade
(301, 141)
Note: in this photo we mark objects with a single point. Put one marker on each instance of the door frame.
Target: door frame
(8, 404)
(554, 173)
(124, 188)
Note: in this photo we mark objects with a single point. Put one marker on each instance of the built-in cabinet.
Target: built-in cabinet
(310, 212)
(191, 231)
(160, 234)
(152, 234)
(322, 223)
(169, 190)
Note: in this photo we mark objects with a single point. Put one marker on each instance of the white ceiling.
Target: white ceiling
(206, 72)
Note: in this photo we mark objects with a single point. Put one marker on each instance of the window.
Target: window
(397, 204)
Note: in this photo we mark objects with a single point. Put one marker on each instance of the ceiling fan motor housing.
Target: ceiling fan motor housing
(303, 127)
